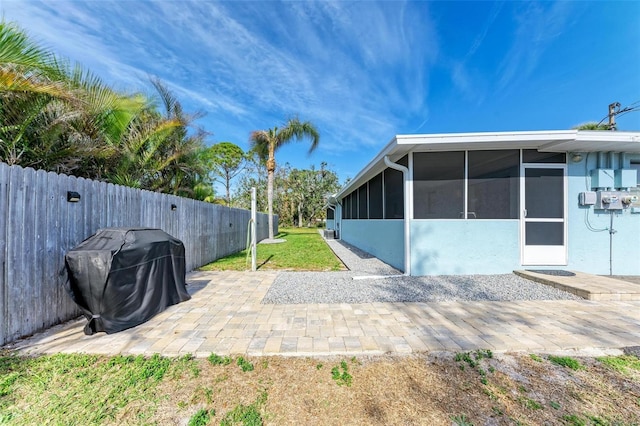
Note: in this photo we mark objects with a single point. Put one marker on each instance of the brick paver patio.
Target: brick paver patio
(225, 316)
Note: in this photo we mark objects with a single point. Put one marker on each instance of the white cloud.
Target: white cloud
(536, 27)
(359, 70)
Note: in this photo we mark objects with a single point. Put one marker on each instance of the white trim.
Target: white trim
(411, 205)
(480, 137)
(465, 190)
(375, 277)
(463, 220)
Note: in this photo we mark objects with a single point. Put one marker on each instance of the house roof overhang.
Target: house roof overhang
(544, 141)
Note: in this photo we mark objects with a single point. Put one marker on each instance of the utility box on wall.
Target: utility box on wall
(614, 200)
(587, 198)
(626, 178)
(602, 178)
(608, 200)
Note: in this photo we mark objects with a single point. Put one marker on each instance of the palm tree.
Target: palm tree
(158, 153)
(267, 142)
(55, 116)
(592, 125)
(58, 117)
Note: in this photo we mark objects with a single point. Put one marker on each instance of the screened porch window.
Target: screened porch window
(535, 156)
(354, 204)
(493, 184)
(363, 202)
(330, 214)
(375, 197)
(393, 194)
(438, 185)
(345, 207)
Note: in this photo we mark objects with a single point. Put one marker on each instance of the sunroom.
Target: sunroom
(486, 203)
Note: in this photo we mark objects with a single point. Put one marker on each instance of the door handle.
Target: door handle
(524, 212)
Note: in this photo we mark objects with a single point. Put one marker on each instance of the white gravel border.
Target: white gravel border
(371, 280)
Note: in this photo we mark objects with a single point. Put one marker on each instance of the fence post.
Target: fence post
(254, 262)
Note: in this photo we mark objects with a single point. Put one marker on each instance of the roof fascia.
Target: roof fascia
(547, 140)
(366, 170)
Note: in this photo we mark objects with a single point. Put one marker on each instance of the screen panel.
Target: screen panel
(438, 185)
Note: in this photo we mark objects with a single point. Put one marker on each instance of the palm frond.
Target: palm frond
(296, 130)
(17, 50)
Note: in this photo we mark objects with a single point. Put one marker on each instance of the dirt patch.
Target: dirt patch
(430, 389)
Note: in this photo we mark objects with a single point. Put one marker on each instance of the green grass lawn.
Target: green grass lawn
(77, 389)
(303, 250)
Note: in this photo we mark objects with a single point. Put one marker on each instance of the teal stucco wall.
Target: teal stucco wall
(451, 247)
(382, 238)
(588, 228)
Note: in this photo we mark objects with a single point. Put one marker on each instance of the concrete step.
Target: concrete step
(587, 286)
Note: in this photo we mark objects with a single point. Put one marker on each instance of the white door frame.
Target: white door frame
(543, 255)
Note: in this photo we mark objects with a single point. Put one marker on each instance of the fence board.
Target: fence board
(87, 200)
(14, 250)
(23, 255)
(4, 213)
(39, 250)
(99, 206)
(52, 237)
(110, 197)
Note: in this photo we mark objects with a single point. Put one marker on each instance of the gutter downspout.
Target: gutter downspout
(407, 224)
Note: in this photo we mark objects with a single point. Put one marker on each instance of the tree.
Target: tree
(592, 125)
(267, 142)
(54, 116)
(58, 117)
(160, 152)
(254, 176)
(227, 161)
(307, 190)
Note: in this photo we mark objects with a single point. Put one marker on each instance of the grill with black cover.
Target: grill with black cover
(122, 277)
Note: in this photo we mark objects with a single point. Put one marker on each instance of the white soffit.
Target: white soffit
(551, 141)
(601, 141)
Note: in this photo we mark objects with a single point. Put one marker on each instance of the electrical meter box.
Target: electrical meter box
(626, 178)
(602, 178)
(613, 200)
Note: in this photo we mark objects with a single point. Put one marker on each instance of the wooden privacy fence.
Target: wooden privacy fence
(38, 226)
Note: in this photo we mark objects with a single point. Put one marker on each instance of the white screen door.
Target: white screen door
(544, 216)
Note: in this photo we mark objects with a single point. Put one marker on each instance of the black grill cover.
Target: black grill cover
(122, 277)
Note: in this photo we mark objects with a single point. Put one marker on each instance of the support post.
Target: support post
(254, 238)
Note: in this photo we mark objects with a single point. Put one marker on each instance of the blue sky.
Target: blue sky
(362, 71)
